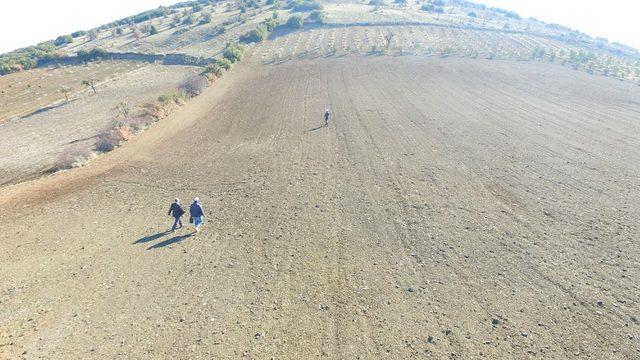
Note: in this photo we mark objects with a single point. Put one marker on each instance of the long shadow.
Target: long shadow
(173, 240)
(316, 128)
(151, 237)
(46, 108)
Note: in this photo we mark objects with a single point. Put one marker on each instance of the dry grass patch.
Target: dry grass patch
(72, 158)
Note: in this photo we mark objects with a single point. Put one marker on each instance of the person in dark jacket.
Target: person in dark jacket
(326, 117)
(197, 213)
(176, 211)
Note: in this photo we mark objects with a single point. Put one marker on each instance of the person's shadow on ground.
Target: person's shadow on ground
(151, 237)
(316, 128)
(170, 241)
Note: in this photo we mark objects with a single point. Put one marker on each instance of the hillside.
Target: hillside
(475, 194)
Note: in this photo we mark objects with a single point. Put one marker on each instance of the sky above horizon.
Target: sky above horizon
(45, 20)
(616, 20)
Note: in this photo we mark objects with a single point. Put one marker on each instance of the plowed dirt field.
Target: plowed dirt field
(452, 208)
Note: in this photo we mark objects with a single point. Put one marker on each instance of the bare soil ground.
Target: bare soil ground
(453, 208)
(29, 145)
(24, 92)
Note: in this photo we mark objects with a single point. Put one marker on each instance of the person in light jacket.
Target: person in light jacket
(197, 214)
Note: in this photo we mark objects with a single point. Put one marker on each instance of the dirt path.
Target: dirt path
(473, 208)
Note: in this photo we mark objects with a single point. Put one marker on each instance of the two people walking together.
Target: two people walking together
(196, 214)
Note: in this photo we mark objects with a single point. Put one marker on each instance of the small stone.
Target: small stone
(447, 332)
(524, 333)
(410, 289)
(495, 322)
(430, 339)
(600, 303)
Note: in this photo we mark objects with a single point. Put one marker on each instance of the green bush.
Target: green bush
(205, 19)
(224, 63)
(166, 98)
(153, 30)
(233, 52)
(261, 32)
(303, 5)
(91, 55)
(258, 34)
(26, 58)
(270, 24)
(187, 20)
(214, 69)
(428, 7)
(317, 16)
(77, 34)
(295, 22)
(63, 40)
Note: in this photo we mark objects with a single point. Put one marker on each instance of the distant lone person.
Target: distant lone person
(326, 117)
(197, 213)
(176, 211)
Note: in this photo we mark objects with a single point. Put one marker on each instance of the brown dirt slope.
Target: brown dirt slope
(462, 207)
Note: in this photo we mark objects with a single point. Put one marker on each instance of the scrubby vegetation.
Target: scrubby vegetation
(194, 85)
(167, 98)
(71, 158)
(233, 52)
(213, 70)
(303, 5)
(63, 40)
(432, 7)
(205, 19)
(295, 22)
(90, 55)
(113, 136)
(224, 63)
(26, 58)
(261, 32)
(90, 83)
(317, 16)
(77, 34)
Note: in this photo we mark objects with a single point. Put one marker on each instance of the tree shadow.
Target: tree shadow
(151, 237)
(173, 240)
